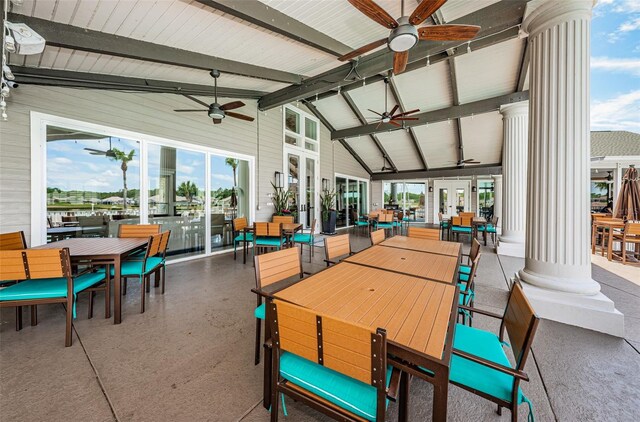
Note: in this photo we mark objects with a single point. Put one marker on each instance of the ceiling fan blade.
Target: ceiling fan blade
(196, 100)
(391, 122)
(404, 118)
(424, 10)
(98, 153)
(364, 49)
(375, 12)
(406, 113)
(374, 112)
(232, 105)
(448, 32)
(189, 110)
(393, 110)
(239, 116)
(92, 150)
(400, 62)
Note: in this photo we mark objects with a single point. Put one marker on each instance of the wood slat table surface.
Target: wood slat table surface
(415, 312)
(433, 267)
(424, 245)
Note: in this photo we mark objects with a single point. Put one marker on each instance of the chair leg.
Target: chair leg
(514, 413)
(142, 293)
(258, 330)
(310, 251)
(156, 278)
(69, 323)
(499, 410)
(34, 315)
(107, 297)
(124, 286)
(91, 295)
(18, 318)
(163, 268)
(147, 285)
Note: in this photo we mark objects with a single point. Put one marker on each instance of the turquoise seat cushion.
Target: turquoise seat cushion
(241, 237)
(444, 225)
(362, 223)
(302, 238)
(464, 299)
(260, 312)
(463, 277)
(268, 241)
(465, 269)
(486, 345)
(134, 267)
(460, 229)
(490, 228)
(47, 288)
(385, 225)
(348, 393)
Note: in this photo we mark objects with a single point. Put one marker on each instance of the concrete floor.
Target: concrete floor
(189, 357)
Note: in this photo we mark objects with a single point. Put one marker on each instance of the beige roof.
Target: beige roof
(615, 143)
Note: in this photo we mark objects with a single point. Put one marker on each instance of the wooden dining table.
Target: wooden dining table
(102, 251)
(475, 223)
(418, 311)
(437, 247)
(609, 226)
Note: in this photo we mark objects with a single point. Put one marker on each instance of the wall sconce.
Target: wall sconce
(474, 189)
(279, 180)
(325, 184)
(430, 189)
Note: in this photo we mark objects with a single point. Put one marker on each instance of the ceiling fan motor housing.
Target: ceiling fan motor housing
(404, 37)
(215, 112)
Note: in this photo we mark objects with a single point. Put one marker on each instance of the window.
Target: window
(485, 198)
(300, 129)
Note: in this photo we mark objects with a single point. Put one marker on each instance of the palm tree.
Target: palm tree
(188, 189)
(123, 158)
(233, 163)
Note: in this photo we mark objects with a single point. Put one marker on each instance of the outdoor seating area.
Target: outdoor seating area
(351, 210)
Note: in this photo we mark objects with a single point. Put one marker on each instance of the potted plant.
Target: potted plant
(281, 199)
(327, 202)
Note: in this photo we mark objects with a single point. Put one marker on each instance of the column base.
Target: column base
(510, 248)
(594, 312)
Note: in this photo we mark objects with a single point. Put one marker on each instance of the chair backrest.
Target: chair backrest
(520, 322)
(474, 269)
(239, 223)
(386, 218)
(262, 229)
(153, 246)
(164, 243)
(47, 263)
(12, 265)
(440, 217)
(494, 221)
(466, 221)
(423, 233)
(475, 249)
(456, 221)
(356, 351)
(335, 246)
(12, 241)
(632, 228)
(377, 236)
(277, 266)
(313, 227)
(467, 214)
(285, 219)
(400, 215)
(138, 230)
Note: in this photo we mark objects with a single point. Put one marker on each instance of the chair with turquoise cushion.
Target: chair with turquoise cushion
(47, 279)
(153, 263)
(239, 227)
(267, 236)
(479, 363)
(384, 221)
(316, 374)
(466, 283)
(461, 225)
(272, 268)
(10, 242)
(126, 231)
(490, 228)
(306, 239)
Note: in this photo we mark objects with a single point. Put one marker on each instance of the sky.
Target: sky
(615, 65)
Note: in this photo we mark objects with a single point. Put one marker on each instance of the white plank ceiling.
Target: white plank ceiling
(191, 26)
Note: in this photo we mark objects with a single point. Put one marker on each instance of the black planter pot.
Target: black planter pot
(329, 225)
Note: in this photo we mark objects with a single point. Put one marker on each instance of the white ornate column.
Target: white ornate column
(515, 118)
(557, 272)
(498, 197)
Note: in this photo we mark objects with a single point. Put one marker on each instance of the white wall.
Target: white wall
(146, 114)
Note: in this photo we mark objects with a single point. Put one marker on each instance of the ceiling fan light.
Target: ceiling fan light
(216, 115)
(402, 42)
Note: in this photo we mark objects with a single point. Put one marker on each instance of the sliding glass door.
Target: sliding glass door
(351, 199)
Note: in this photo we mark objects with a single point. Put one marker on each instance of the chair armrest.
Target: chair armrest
(394, 384)
(480, 311)
(262, 293)
(307, 273)
(505, 369)
(328, 261)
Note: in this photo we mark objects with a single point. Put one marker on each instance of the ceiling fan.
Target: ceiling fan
(108, 153)
(389, 116)
(404, 34)
(216, 111)
(461, 163)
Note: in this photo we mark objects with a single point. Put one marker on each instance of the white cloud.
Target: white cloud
(617, 65)
(631, 25)
(111, 173)
(185, 169)
(96, 183)
(62, 161)
(223, 177)
(618, 113)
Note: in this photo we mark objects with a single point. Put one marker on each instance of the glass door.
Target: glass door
(452, 197)
(414, 201)
(309, 205)
(302, 183)
(341, 202)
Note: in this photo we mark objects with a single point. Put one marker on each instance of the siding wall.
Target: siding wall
(146, 114)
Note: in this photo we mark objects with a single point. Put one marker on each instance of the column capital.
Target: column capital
(515, 109)
(543, 14)
(497, 177)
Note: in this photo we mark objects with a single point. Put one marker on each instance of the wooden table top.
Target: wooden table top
(433, 267)
(618, 222)
(414, 311)
(479, 220)
(437, 247)
(97, 246)
(291, 226)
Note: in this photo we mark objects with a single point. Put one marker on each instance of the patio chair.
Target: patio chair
(284, 219)
(599, 235)
(384, 221)
(629, 235)
(475, 250)
(490, 228)
(153, 262)
(11, 242)
(479, 363)
(423, 233)
(138, 230)
(272, 268)
(93, 226)
(47, 279)
(239, 236)
(377, 236)
(359, 223)
(466, 283)
(444, 225)
(266, 236)
(306, 239)
(401, 222)
(461, 225)
(467, 214)
(335, 247)
(318, 375)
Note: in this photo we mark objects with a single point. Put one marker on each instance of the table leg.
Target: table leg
(107, 293)
(403, 409)
(610, 245)
(268, 356)
(593, 238)
(440, 395)
(484, 235)
(117, 295)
